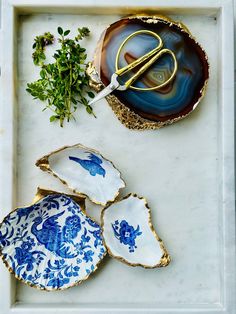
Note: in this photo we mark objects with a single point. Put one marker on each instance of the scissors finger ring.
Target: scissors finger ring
(148, 59)
(156, 52)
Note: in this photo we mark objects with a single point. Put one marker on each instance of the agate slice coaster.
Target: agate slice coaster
(51, 244)
(129, 235)
(151, 109)
(85, 171)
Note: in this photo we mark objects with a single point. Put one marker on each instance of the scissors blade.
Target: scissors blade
(107, 90)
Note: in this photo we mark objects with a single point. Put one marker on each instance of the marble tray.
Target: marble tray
(186, 171)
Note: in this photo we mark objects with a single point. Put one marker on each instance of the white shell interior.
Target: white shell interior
(77, 246)
(100, 188)
(132, 210)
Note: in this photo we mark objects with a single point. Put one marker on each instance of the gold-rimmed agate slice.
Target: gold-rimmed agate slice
(139, 109)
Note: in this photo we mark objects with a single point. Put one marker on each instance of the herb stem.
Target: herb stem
(70, 90)
(63, 84)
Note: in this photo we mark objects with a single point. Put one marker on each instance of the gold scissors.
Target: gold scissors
(156, 53)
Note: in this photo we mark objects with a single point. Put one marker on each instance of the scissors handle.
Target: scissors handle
(157, 52)
(148, 64)
(141, 59)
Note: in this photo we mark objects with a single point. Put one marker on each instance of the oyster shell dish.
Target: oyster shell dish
(129, 235)
(85, 171)
(51, 244)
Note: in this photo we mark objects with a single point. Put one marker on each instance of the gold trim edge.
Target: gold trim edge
(124, 114)
(164, 260)
(40, 194)
(43, 164)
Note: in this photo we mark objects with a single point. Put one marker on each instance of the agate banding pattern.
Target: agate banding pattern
(180, 96)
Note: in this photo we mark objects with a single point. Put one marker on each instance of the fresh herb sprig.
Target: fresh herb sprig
(63, 84)
(40, 42)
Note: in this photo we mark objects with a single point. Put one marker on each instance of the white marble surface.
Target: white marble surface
(178, 169)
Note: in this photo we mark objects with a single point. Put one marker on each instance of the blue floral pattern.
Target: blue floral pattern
(126, 234)
(51, 244)
(92, 164)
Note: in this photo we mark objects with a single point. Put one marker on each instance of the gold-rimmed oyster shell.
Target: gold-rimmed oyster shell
(51, 244)
(85, 171)
(129, 235)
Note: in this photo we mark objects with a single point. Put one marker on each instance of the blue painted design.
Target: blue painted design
(126, 234)
(25, 256)
(55, 239)
(71, 228)
(24, 212)
(51, 245)
(88, 256)
(32, 278)
(59, 274)
(5, 238)
(92, 164)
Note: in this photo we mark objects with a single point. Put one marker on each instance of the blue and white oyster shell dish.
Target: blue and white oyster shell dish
(85, 171)
(129, 234)
(52, 244)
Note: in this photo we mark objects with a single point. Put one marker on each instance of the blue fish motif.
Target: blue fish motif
(92, 165)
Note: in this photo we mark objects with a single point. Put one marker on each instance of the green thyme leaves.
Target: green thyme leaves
(63, 84)
(40, 42)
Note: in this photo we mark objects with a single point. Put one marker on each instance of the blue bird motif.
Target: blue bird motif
(92, 164)
(53, 238)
